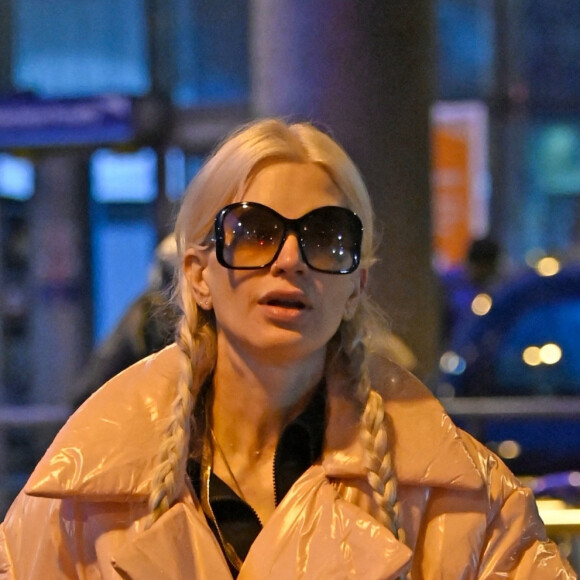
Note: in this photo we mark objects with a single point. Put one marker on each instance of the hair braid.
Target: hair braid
(198, 360)
(354, 335)
(381, 474)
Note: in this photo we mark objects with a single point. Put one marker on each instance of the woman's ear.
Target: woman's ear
(352, 301)
(194, 265)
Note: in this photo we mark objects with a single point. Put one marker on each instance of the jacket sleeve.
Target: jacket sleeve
(516, 546)
(35, 542)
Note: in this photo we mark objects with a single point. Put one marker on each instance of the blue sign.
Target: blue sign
(33, 122)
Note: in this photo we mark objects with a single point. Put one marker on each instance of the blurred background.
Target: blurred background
(463, 116)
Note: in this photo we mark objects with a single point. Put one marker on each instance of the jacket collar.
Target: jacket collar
(427, 447)
(314, 532)
(107, 449)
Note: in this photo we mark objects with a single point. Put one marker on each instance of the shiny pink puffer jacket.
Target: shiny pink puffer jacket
(83, 512)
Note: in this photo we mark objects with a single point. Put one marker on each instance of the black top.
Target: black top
(299, 446)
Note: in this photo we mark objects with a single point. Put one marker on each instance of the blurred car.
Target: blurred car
(512, 373)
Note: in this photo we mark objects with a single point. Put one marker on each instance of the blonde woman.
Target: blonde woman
(275, 439)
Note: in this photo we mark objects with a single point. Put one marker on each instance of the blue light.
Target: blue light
(16, 177)
(124, 177)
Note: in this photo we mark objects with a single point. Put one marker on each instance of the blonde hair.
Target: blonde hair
(221, 181)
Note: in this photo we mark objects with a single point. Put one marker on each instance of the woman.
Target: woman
(272, 442)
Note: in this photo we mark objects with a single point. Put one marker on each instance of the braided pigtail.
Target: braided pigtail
(352, 354)
(196, 339)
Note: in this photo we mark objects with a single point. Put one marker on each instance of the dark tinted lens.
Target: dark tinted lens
(331, 238)
(250, 236)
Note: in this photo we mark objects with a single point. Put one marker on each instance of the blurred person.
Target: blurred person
(276, 439)
(146, 327)
(478, 274)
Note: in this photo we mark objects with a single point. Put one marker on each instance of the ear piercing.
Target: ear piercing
(348, 313)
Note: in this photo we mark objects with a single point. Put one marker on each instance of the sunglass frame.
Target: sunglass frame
(289, 226)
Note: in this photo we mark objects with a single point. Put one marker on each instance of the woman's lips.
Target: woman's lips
(285, 306)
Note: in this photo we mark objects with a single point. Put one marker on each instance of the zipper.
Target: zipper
(275, 486)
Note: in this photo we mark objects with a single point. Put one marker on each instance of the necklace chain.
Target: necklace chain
(206, 468)
(217, 446)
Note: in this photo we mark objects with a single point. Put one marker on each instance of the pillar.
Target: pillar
(61, 283)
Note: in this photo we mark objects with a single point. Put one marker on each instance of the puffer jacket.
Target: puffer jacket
(82, 514)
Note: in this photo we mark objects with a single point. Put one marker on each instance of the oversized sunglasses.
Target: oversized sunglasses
(250, 235)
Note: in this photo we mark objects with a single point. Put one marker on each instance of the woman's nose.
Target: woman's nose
(290, 258)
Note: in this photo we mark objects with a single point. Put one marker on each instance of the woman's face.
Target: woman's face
(285, 311)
